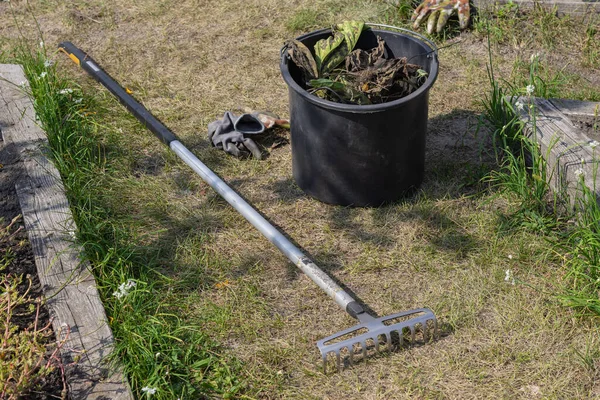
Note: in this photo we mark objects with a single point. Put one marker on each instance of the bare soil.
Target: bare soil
(589, 125)
(23, 263)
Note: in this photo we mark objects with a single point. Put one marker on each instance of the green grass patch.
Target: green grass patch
(581, 249)
(305, 20)
(522, 174)
(157, 349)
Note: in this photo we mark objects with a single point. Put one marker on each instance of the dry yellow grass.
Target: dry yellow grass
(189, 61)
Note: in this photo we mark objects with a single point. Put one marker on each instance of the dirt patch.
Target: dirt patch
(589, 125)
(23, 264)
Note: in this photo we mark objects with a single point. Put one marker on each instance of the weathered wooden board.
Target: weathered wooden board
(566, 149)
(576, 107)
(78, 316)
(563, 7)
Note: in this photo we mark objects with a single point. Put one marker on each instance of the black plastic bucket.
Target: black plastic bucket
(361, 155)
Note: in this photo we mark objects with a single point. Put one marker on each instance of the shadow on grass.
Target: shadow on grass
(456, 159)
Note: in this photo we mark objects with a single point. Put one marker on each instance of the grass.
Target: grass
(522, 171)
(523, 174)
(157, 349)
(198, 265)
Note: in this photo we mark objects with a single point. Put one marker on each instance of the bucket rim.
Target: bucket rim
(356, 108)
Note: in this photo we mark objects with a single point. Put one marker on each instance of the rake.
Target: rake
(371, 334)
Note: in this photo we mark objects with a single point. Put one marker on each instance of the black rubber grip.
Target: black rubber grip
(353, 308)
(137, 109)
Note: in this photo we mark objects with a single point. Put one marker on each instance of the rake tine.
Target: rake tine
(351, 354)
(364, 349)
(378, 331)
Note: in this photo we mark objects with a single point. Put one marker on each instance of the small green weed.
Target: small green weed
(498, 23)
(546, 83)
(549, 25)
(591, 46)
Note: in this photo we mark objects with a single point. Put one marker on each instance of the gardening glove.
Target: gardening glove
(229, 134)
(439, 11)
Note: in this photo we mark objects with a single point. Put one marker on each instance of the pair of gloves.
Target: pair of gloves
(233, 133)
(439, 12)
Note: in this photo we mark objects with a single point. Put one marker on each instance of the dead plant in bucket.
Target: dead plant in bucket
(338, 72)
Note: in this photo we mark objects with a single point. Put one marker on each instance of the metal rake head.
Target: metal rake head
(362, 340)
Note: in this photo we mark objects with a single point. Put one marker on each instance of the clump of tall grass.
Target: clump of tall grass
(160, 355)
(522, 168)
(581, 249)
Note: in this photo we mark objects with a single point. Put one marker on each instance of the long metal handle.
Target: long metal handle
(294, 254)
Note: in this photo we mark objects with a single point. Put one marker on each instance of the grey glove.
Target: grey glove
(229, 134)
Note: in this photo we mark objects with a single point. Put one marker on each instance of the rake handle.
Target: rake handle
(139, 111)
(295, 255)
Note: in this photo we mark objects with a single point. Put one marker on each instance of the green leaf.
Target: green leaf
(322, 82)
(350, 32)
(344, 91)
(325, 47)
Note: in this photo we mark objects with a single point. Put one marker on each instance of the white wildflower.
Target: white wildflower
(519, 105)
(130, 284)
(534, 57)
(509, 277)
(43, 74)
(510, 256)
(124, 288)
(65, 91)
(41, 43)
(593, 144)
(23, 84)
(77, 101)
(529, 90)
(579, 172)
(48, 63)
(149, 390)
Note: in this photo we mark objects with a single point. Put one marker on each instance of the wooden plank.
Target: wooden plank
(565, 148)
(78, 316)
(563, 7)
(576, 107)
